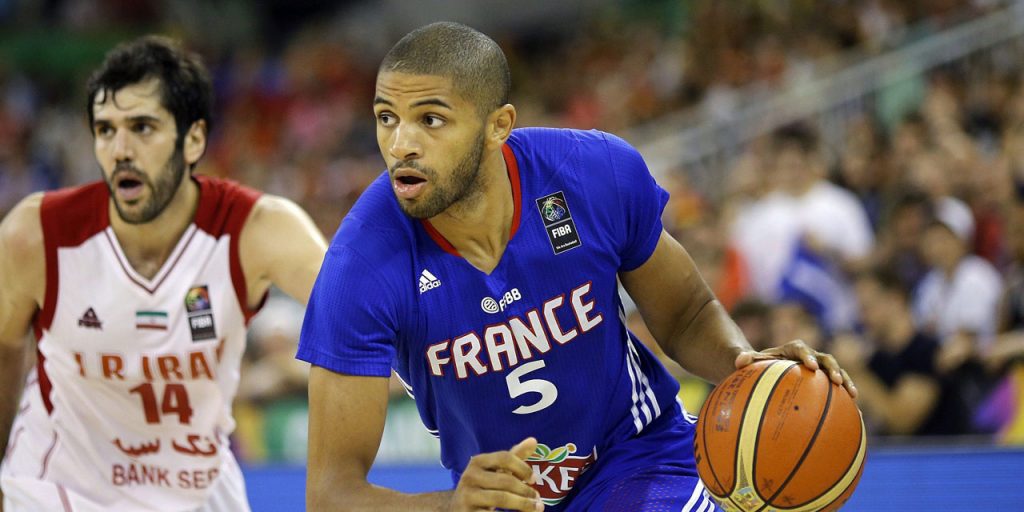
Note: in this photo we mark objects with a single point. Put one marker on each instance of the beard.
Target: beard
(161, 191)
(464, 181)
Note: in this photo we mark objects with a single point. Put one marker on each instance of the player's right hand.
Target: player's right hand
(499, 480)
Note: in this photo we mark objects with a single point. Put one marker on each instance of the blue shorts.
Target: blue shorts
(652, 472)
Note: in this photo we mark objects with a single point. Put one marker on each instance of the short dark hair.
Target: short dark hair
(799, 134)
(888, 279)
(474, 62)
(185, 88)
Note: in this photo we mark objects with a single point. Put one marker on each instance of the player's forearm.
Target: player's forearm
(12, 367)
(708, 345)
(372, 498)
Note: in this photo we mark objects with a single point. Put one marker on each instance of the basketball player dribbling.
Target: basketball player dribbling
(482, 269)
(139, 289)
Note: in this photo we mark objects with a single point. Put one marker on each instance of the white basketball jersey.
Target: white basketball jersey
(129, 407)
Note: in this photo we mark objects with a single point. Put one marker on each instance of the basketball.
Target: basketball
(776, 436)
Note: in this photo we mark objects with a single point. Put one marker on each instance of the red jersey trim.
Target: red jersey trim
(179, 251)
(224, 208)
(512, 167)
(69, 217)
(517, 189)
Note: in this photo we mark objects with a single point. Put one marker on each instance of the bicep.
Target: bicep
(667, 288)
(281, 245)
(22, 270)
(346, 421)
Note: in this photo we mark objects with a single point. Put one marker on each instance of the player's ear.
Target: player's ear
(499, 125)
(195, 142)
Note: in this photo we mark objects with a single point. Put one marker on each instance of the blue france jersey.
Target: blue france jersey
(538, 347)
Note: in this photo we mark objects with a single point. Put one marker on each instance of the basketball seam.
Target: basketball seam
(739, 436)
(803, 456)
(860, 442)
(704, 442)
(757, 436)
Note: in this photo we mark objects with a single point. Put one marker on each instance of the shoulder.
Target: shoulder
(21, 238)
(975, 270)
(560, 142)
(829, 194)
(276, 224)
(272, 211)
(376, 224)
(224, 205)
(22, 226)
(585, 155)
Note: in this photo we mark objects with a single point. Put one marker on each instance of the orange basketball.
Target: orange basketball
(777, 436)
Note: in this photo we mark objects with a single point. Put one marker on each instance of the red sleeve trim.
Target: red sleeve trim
(224, 208)
(517, 192)
(69, 217)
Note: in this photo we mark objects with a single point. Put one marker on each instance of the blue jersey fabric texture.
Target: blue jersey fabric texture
(538, 347)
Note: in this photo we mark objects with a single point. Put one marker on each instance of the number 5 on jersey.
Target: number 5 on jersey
(517, 386)
(175, 401)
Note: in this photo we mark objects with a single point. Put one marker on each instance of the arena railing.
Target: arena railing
(704, 146)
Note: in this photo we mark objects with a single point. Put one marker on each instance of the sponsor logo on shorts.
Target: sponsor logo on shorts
(556, 470)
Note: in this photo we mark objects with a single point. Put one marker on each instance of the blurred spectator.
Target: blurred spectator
(791, 321)
(893, 365)
(271, 369)
(958, 299)
(271, 404)
(804, 236)
(900, 235)
(754, 318)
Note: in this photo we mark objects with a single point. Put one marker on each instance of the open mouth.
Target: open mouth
(128, 187)
(410, 180)
(408, 183)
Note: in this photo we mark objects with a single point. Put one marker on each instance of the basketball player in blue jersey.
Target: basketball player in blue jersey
(482, 268)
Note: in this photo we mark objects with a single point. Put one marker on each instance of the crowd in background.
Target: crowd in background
(900, 250)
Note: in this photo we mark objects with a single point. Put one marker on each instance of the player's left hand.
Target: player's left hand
(799, 351)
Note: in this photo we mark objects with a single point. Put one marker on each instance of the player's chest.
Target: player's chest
(103, 305)
(532, 302)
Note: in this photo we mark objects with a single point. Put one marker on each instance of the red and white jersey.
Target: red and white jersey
(129, 407)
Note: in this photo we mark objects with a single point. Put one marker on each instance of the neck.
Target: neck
(900, 331)
(147, 246)
(479, 224)
(949, 266)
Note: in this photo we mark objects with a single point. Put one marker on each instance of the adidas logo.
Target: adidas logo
(90, 320)
(428, 281)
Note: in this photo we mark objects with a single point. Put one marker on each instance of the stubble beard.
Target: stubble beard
(464, 184)
(162, 191)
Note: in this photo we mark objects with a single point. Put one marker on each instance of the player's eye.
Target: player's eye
(433, 121)
(142, 128)
(104, 130)
(387, 119)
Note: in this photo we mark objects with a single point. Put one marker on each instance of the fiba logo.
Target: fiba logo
(489, 305)
(492, 306)
(553, 209)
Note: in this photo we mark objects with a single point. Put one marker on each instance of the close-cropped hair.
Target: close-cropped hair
(474, 62)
